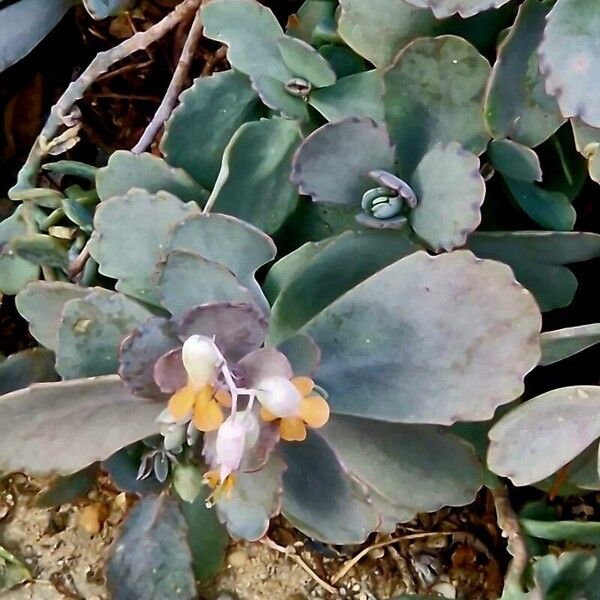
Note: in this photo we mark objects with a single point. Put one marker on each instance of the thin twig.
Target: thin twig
(27, 176)
(175, 86)
(290, 553)
(412, 536)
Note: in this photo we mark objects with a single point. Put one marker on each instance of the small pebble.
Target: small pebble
(238, 558)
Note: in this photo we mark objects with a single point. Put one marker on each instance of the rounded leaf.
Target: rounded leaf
(515, 160)
(333, 163)
(569, 57)
(465, 8)
(542, 435)
(564, 343)
(450, 192)
(434, 93)
(305, 62)
(428, 339)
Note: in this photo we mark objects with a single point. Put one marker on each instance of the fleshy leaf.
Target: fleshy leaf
(207, 538)
(139, 352)
(537, 258)
(126, 170)
(320, 280)
(333, 162)
(428, 340)
(465, 8)
(131, 232)
(26, 367)
(91, 330)
(542, 435)
(68, 488)
(515, 160)
(152, 558)
(357, 95)
(237, 245)
(65, 426)
(42, 302)
(123, 468)
(302, 353)
(251, 33)
(254, 182)
(587, 140)
(24, 24)
(563, 343)
(568, 56)
(15, 272)
(574, 531)
(12, 571)
(343, 60)
(310, 15)
(383, 454)
(450, 192)
(379, 29)
(320, 498)
(434, 93)
(551, 210)
(186, 279)
(255, 499)
(101, 9)
(516, 103)
(305, 62)
(209, 113)
(41, 249)
(274, 95)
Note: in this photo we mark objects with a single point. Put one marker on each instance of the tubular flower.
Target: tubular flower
(295, 403)
(201, 398)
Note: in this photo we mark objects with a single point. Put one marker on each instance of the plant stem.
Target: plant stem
(175, 86)
(102, 62)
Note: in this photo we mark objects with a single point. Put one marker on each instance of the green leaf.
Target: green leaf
(311, 278)
(274, 95)
(254, 183)
(26, 367)
(254, 500)
(569, 576)
(223, 239)
(209, 113)
(305, 62)
(424, 341)
(515, 160)
(152, 558)
(12, 571)
(551, 210)
(538, 259)
(101, 9)
(68, 488)
(310, 15)
(186, 279)
(587, 140)
(357, 95)
(131, 232)
(568, 54)
(66, 426)
(450, 192)
(302, 353)
(208, 539)
(15, 272)
(382, 454)
(320, 498)
(333, 162)
(24, 24)
(126, 170)
(41, 249)
(188, 481)
(42, 302)
(434, 93)
(379, 29)
(516, 103)
(563, 343)
(465, 8)
(524, 444)
(343, 60)
(123, 467)
(251, 33)
(72, 167)
(91, 330)
(574, 531)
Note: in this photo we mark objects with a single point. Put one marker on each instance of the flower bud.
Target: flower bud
(200, 360)
(230, 446)
(279, 396)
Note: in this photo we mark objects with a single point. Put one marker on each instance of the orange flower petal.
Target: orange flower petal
(205, 394)
(266, 415)
(211, 478)
(223, 397)
(208, 416)
(293, 429)
(304, 385)
(314, 411)
(181, 402)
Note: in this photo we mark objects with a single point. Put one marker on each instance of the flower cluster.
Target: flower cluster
(243, 409)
